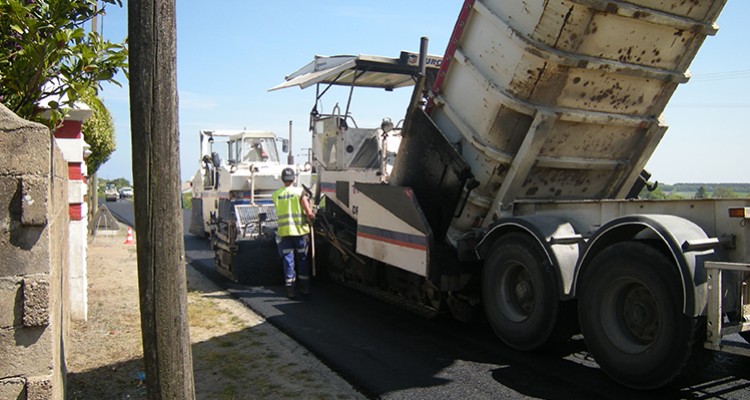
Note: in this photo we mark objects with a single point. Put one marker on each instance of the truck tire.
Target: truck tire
(630, 308)
(520, 293)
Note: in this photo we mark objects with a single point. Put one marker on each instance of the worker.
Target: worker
(259, 154)
(292, 207)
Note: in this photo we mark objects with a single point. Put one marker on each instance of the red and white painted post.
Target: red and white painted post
(70, 140)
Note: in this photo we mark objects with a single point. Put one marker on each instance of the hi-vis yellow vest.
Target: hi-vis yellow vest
(291, 217)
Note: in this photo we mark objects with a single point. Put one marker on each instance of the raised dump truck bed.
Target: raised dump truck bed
(561, 100)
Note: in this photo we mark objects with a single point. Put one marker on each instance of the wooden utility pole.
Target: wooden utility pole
(158, 217)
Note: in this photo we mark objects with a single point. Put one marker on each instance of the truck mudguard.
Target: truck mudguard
(674, 236)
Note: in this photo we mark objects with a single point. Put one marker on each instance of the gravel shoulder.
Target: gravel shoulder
(236, 353)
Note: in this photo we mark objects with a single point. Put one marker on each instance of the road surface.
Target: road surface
(390, 353)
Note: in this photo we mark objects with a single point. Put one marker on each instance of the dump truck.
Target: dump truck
(514, 189)
(232, 205)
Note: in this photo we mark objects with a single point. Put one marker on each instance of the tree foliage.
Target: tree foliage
(656, 194)
(659, 194)
(45, 54)
(98, 131)
(118, 182)
(710, 187)
(724, 193)
(701, 193)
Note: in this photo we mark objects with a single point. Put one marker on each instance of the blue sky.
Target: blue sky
(230, 52)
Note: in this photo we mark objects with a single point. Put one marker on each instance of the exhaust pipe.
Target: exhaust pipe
(423, 55)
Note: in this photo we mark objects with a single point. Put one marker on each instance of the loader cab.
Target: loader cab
(242, 147)
(245, 149)
(224, 152)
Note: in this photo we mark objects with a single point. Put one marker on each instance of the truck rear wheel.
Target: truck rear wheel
(630, 308)
(520, 293)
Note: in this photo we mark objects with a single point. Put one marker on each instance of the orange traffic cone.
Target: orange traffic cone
(129, 238)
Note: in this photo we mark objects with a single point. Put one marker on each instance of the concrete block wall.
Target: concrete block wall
(34, 293)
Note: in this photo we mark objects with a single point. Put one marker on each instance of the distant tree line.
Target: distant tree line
(711, 187)
(698, 190)
(118, 183)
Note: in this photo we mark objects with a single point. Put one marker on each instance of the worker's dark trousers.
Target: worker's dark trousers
(289, 247)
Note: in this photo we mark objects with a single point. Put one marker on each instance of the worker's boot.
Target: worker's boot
(304, 287)
(290, 292)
